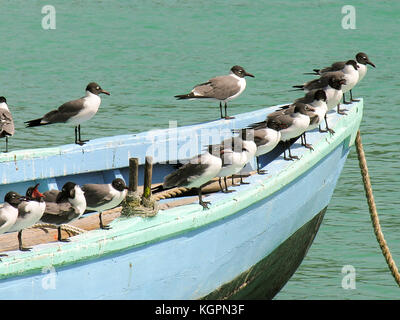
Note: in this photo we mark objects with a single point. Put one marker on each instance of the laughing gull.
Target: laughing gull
(316, 98)
(236, 153)
(291, 125)
(197, 172)
(102, 197)
(70, 204)
(30, 211)
(247, 136)
(9, 212)
(351, 75)
(222, 88)
(266, 138)
(74, 112)
(331, 83)
(311, 112)
(6, 121)
(362, 60)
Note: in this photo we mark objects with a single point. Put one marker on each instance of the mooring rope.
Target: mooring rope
(372, 210)
(66, 227)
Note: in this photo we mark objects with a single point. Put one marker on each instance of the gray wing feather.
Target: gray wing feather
(337, 66)
(58, 213)
(219, 88)
(64, 112)
(51, 195)
(181, 177)
(323, 81)
(96, 194)
(259, 138)
(6, 123)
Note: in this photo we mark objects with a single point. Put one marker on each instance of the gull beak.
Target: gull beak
(246, 74)
(105, 92)
(36, 193)
(370, 63)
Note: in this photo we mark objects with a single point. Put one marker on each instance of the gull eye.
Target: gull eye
(97, 88)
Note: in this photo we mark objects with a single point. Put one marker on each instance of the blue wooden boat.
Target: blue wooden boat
(247, 245)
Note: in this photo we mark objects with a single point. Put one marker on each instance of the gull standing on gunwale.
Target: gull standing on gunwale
(351, 75)
(30, 211)
(222, 88)
(74, 112)
(266, 137)
(236, 153)
(197, 172)
(6, 121)
(331, 83)
(291, 125)
(102, 197)
(9, 212)
(315, 98)
(361, 60)
(69, 205)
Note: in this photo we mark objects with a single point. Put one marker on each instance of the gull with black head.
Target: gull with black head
(69, 205)
(222, 88)
(74, 112)
(30, 211)
(101, 197)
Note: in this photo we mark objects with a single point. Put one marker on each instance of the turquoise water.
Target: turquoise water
(145, 52)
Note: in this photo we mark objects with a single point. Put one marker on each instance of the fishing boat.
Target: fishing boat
(247, 245)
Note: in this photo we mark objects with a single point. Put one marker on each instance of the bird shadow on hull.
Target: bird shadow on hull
(275, 153)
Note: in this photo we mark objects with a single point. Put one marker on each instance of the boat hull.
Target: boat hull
(247, 245)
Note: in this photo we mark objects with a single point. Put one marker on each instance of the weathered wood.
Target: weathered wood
(148, 174)
(133, 174)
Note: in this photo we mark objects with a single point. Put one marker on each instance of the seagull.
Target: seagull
(102, 197)
(331, 83)
(247, 136)
(317, 99)
(74, 112)
(197, 172)
(6, 121)
(70, 204)
(30, 211)
(9, 212)
(291, 125)
(222, 88)
(351, 75)
(237, 153)
(266, 138)
(362, 60)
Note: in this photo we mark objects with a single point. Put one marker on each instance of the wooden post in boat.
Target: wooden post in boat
(148, 174)
(133, 174)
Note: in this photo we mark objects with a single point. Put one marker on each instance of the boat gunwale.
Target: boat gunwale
(128, 233)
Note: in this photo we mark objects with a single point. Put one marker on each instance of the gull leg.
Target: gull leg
(344, 100)
(20, 245)
(204, 204)
(226, 113)
(59, 237)
(331, 131)
(80, 141)
(287, 146)
(233, 181)
(341, 111)
(305, 144)
(260, 171)
(102, 226)
(351, 97)
(226, 187)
